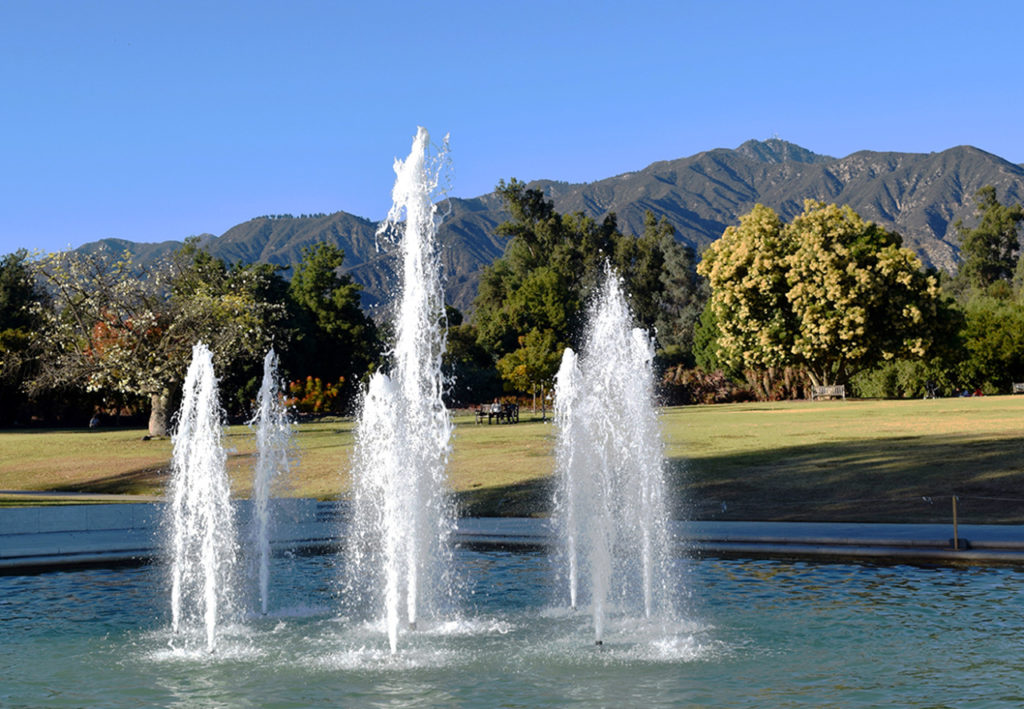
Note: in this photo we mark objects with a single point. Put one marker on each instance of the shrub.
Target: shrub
(312, 396)
(682, 385)
(778, 383)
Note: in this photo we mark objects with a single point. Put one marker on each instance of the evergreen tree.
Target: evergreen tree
(534, 296)
(333, 337)
(991, 250)
(22, 304)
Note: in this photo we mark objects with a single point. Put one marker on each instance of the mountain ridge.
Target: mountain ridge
(919, 195)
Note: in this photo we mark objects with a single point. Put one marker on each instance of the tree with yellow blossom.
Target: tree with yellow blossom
(828, 292)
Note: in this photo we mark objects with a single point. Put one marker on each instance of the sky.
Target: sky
(151, 121)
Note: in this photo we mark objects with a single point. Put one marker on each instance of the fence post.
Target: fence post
(956, 536)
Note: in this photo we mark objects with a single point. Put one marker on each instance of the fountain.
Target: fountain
(202, 529)
(273, 439)
(610, 504)
(402, 517)
(771, 632)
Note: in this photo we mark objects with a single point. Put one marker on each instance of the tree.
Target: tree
(553, 263)
(829, 293)
(129, 330)
(991, 250)
(333, 337)
(749, 306)
(469, 368)
(550, 265)
(536, 290)
(665, 292)
(857, 295)
(706, 354)
(993, 340)
(22, 303)
(18, 292)
(533, 365)
(1018, 280)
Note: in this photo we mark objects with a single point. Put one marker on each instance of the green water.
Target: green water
(748, 634)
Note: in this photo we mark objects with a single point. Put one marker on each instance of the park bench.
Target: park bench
(502, 413)
(835, 391)
(1018, 387)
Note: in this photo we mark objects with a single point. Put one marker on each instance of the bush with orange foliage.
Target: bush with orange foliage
(313, 396)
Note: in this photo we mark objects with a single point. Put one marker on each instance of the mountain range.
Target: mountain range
(919, 195)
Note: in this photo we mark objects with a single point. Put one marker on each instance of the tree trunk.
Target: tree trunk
(158, 413)
(816, 379)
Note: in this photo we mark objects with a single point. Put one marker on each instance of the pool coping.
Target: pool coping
(44, 538)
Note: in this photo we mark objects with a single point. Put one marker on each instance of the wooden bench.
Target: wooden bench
(835, 391)
(507, 413)
(1018, 387)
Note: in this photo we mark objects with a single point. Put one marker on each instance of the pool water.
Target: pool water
(749, 633)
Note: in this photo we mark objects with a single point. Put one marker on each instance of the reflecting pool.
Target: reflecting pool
(755, 634)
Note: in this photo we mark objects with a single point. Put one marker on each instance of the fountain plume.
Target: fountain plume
(402, 517)
(273, 440)
(203, 547)
(610, 502)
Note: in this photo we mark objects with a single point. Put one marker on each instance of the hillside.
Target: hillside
(918, 195)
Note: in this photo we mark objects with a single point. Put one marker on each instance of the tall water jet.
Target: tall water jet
(273, 441)
(610, 502)
(202, 528)
(402, 517)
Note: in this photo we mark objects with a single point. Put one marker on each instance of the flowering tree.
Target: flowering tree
(829, 292)
(120, 327)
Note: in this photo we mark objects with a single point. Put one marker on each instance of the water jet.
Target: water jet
(273, 440)
(203, 548)
(402, 517)
(610, 505)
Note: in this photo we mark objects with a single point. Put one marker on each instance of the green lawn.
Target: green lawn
(851, 460)
(829, 461)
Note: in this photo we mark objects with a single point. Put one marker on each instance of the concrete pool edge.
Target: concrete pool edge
(54, 537)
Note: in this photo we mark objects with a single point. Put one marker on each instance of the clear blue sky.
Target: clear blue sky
(157, 120)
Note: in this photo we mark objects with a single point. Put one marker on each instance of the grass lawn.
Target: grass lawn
(828, 461)
(897, 461)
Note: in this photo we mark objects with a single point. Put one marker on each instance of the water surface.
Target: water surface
(752, 634)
